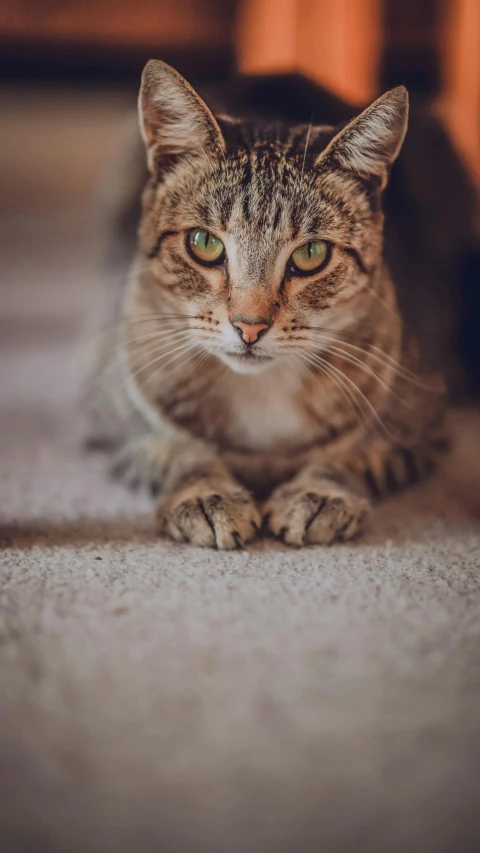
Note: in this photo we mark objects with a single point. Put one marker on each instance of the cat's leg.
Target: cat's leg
(200, 501)
(384, 467)
(323, 504)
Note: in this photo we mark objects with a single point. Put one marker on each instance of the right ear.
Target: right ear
(370, 143)
(173, 118)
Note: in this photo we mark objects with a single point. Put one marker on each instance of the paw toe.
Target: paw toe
(339, 519)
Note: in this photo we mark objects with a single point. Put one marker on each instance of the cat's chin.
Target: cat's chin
(246, 363)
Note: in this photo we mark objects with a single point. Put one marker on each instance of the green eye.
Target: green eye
(311, 256)
(205, 246)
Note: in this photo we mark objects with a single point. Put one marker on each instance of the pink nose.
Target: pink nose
(250, 331)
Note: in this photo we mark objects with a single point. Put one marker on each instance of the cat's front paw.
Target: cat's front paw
(209, 514)
(303, 515)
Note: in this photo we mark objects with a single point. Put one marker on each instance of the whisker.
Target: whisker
(129, 346)
(367, 401)
(392, 309)
(380, 354)
(339, 373)
(165, 337)
(293, 363)
(345, 391)
(112, 363)
(165, 333)
(384, 358)
(139, 370)
(139, 318)
(166, 346)
(351, 359)
(198, 359)
(109, 332)
(203, 357)
(154, 316)
(172, 360)
(306, 144)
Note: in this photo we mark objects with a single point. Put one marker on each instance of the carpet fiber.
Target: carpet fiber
(157, 697)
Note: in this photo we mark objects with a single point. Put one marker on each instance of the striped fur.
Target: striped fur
(329, 407)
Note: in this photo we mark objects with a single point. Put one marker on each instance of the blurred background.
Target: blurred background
(70, 74)
(273, 690)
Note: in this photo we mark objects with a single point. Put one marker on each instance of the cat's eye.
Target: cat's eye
(311, 256)
(205, 247)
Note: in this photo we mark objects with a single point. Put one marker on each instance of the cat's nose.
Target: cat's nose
(250, 332)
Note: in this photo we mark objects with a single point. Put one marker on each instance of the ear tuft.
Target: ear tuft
(173, 118)
(370, 143)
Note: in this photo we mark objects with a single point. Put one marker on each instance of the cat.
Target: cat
(263, 373)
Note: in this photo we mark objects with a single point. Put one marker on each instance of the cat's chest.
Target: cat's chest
(265, 411)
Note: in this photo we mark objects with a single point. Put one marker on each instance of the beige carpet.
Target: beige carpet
(155, 697)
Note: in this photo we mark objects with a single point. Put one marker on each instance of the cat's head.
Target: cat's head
(259, 233)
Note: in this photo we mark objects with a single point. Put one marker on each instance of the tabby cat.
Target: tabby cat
(261, 375)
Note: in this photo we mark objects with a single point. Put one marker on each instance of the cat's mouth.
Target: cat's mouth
(248, 355)
(247, 361)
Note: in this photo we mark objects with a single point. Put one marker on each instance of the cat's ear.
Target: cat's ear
(370, 143)
(173, 118)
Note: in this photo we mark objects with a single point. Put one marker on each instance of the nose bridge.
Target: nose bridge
(252, 265)
(257, 259)
(251, 302)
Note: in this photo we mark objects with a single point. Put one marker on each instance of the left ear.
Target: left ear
(174, 120)
(371, 142)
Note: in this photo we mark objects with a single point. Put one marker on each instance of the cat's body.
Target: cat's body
(251, 384)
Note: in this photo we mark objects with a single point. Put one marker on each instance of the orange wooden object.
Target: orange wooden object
(460, 101)
(335, 42)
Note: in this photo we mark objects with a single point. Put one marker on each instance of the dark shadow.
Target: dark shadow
(76, 534)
